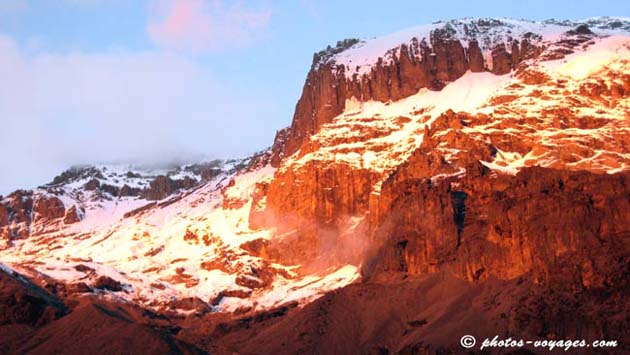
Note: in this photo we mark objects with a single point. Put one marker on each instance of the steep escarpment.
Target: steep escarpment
(430, 57)
(560, 226)
(557, 104)
(542, 254)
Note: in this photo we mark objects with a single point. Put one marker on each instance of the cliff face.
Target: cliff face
(449, 100)
(455, 159)
(558, 226)
(428, 63)
(313, 207)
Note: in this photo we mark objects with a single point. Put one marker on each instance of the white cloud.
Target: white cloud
(203, 25)
(63, 109)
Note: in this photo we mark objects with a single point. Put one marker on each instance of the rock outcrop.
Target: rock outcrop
(48, 208)
(311, 205)
(23, 213)
(107, 283)
(163, 186)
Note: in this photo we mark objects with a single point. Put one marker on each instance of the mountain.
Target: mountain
(465, 177)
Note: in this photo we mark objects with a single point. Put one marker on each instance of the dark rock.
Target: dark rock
(80, 287)
(230, 293)
(207, 171)
(249, 281)
(140, 210)
(83, 268)
(23, 302)
(107, 283)
(4, 216)
(160, 187)
(163, 186)
(501, 60)
(110, 189)
(580, 30)
(191, 303)
(92, 185)
(475, 57)
(126, 190)
(73, 215)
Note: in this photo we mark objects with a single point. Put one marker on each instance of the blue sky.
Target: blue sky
(149, 80)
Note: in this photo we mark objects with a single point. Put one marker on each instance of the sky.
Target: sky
(92, 81)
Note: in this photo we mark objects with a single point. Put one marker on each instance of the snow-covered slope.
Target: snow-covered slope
(489, 33)
(568, 108)
(379, 136)
(183, 247)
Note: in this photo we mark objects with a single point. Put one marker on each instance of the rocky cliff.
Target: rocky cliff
(559, 226)
(430, 57)
(467, 152)
(355, 125)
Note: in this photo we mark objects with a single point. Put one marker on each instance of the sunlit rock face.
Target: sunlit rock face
(557, 226)
(175, 239)
(397, 66)
(560, 101)
(491, 152)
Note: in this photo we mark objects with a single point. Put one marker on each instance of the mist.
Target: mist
(58, 110)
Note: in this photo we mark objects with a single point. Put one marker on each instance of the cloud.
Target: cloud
(71, 108)
(204, 25)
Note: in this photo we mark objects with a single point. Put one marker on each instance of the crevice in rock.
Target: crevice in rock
(400, 250)
(458, 199)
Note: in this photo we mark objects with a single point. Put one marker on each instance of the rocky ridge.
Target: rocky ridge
(397, 66)
(66, 198)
